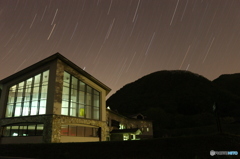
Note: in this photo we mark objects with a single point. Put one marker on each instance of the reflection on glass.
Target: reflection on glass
(64, 108)
(18, 109)
(74, 83)
(34, 107)
(23, 130)
(14, 131)
(96, 113)
(66, 79)
(6, 131)
(25, 109)
(45, 78)
(72, 130)
(73, 108)
(88, 99)
(82, 86)
(9, 110)
(42, 109)
(31, 130)
(80, 131)
(88, 112)
(81, 97)
(64, 130)
(39, 130)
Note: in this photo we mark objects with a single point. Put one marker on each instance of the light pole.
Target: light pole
(215, 110)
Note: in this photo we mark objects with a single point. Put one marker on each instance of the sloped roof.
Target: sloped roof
(121, 131)
(50, 59)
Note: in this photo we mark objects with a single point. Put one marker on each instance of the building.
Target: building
(53, 101)
(123, 128)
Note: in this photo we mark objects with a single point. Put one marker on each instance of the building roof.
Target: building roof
(50, 59)
(120, 131)
(131, 117)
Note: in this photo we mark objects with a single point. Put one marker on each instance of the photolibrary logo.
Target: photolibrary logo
(212, 152)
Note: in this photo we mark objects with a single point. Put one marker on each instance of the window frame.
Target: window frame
(27, 98)
(84, 89)
(19, 130)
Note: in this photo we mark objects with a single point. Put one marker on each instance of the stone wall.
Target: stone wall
(45, 119)
(52, 125)
(59, 120)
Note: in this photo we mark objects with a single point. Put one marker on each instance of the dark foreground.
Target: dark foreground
(195, 147)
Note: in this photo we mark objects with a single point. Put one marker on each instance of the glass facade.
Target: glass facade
(79, 99)
(80, 131)
(23, 130)
(28, 97)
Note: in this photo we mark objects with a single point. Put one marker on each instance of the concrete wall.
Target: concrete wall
(78, 139)
(22, 140)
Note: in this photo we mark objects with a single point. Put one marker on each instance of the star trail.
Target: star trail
(119, 41)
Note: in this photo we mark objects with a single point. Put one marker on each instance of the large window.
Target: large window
(79, 99)
(28, 97)
(71, 130)
(23, 130)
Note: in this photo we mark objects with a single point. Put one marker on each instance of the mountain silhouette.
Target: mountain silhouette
(177, 99)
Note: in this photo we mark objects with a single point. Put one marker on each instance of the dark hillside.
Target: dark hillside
(229, 94)
(180, 92)
(176, 100)
(229, 82)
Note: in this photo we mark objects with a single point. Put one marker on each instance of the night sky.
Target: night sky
(119, 41)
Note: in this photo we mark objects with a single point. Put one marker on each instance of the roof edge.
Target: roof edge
(51, 58)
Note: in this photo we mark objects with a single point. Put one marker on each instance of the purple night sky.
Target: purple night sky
(119, 41)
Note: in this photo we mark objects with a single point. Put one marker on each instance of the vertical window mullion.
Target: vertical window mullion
(23, 98)
(84, 131)
(31, 96)
(15, 101)
(92, 107)
(85, 101)
(78, 102)
(39, 93)
(69, 96)
(35, 131)
(68, 130)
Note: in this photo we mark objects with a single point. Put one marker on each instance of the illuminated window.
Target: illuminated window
(80, 131)
(79, 99)
(28, 97)
(23, 130)
(121, 126)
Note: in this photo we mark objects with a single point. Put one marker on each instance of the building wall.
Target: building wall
(7, 85)
(59, 120)
(17, 140)
(45, 119)
(53, 119)
(130, 123)
(78, 139)
(64, 67)
(52, 128)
